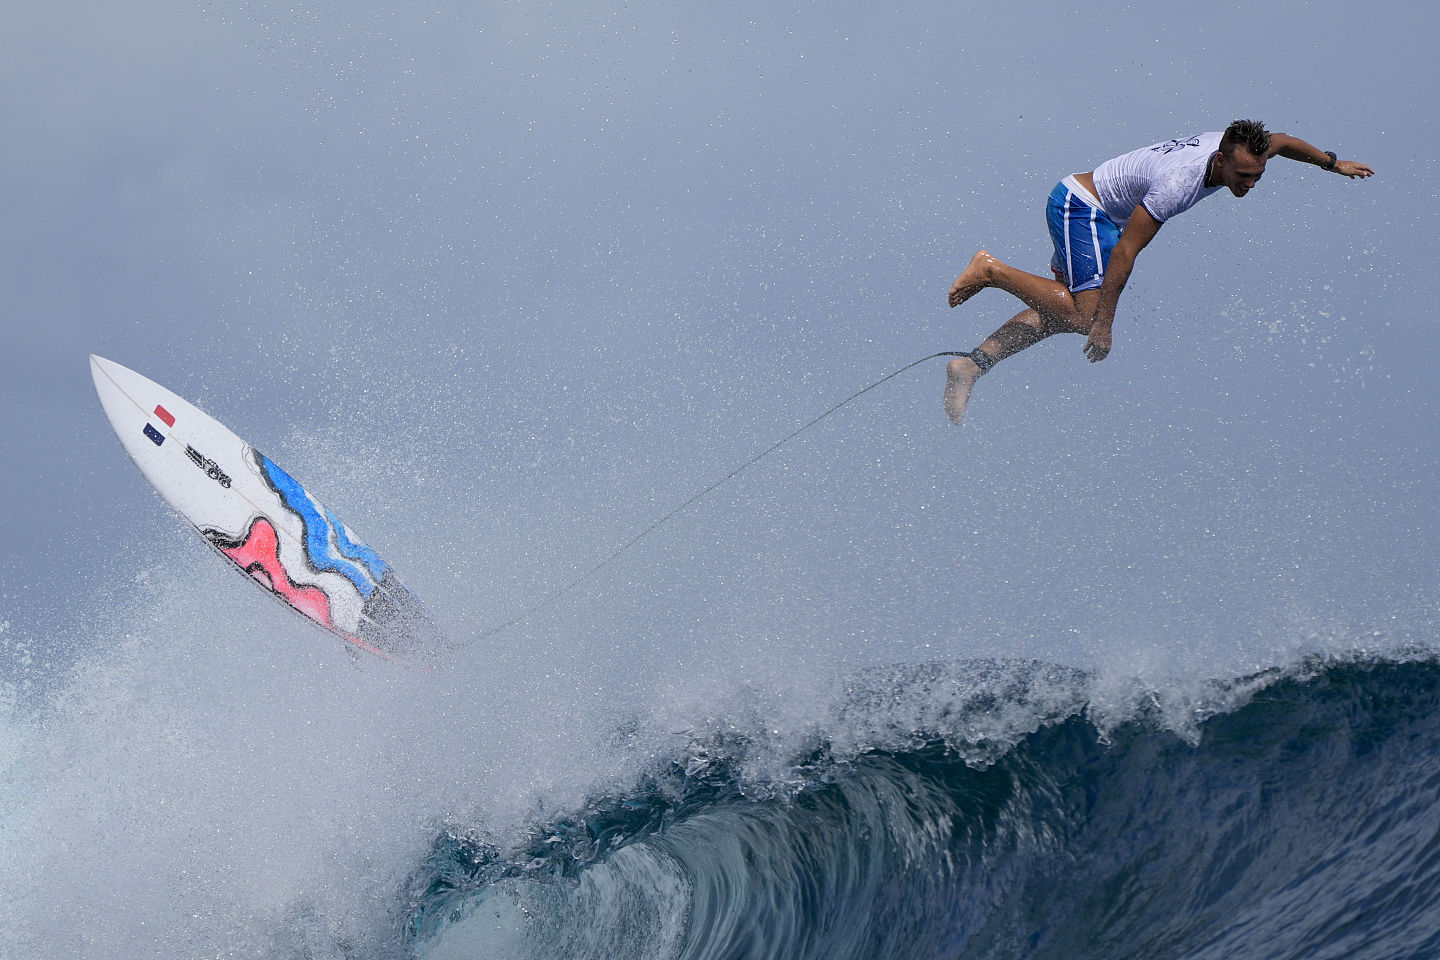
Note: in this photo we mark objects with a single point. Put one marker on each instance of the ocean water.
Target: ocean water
(262, 794)
(1297, 821)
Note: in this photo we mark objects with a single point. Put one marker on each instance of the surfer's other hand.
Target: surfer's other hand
(1097, 345)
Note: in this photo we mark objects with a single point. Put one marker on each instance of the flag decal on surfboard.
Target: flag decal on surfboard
(156, 437)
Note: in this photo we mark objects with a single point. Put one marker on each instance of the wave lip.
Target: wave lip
(1005, 822)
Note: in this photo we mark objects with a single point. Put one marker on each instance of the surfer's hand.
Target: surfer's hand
(1097, 345)
(1351, 169)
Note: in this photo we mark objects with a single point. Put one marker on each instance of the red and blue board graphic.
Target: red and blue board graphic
(386, 608)
(259, 555)
(329, 545)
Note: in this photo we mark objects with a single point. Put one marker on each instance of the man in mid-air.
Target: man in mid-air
(1099, 222)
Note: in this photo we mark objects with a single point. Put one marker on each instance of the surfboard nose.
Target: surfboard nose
(97, 367)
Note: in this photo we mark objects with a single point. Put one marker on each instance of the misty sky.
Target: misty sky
(504, 282)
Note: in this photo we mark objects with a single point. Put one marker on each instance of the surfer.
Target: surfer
(1099, 222)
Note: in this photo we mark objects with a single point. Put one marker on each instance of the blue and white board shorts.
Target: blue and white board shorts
(1083, 236)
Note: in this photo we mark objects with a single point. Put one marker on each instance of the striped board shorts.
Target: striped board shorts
(1083, 236)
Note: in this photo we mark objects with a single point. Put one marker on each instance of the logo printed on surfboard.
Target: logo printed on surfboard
(211, 468)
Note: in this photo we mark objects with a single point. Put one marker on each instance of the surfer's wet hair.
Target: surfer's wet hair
(1250, 134)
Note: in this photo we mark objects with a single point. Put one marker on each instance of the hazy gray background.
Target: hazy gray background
(503, 283)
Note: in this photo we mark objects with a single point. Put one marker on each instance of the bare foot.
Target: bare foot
(973, 279)
(960, 376)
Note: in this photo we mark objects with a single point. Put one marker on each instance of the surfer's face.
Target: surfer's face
(1239, 171)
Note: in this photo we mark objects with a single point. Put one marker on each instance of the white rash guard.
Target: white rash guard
(1167, 178)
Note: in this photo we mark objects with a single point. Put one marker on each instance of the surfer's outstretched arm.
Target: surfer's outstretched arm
(1293, 148)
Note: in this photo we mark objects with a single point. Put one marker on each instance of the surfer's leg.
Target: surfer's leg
(960, 376)
(1025, 329)
(1029, 327)
(1050, 299)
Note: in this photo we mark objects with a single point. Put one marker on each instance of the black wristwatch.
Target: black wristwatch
(1333, 160)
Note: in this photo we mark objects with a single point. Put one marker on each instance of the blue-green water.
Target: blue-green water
(1298, 823)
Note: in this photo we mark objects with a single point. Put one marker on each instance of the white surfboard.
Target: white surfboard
(259, 518)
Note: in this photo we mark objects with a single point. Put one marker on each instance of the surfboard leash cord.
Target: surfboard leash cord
(552, 597)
